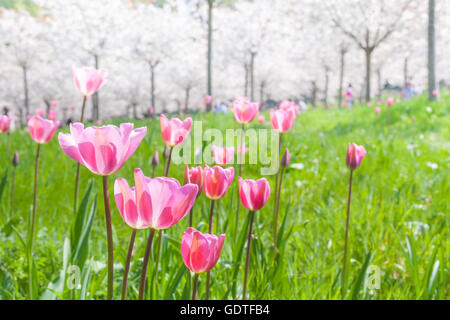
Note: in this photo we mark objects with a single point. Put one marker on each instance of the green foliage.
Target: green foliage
(399, 214)
(28, 5)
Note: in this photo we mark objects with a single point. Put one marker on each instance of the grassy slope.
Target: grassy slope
(394, 189)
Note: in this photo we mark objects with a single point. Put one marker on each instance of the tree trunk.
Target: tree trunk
(25, 88)
(252, 76)
(209, 84)
(95, 97)
(186, 97)
(152, 86)
(313, 94)
(261, 93)
(379, 84)
(431, 51)
(341, 77)
(368, 52)
(405, 73)
(327, 80)
(135, 115)
(246, 80)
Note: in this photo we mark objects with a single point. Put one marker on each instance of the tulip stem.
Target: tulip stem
(276, 195)
(208, 276)
(247, 259)
(33, 225)
(238, 203)
(109, 238)
(347, 223)
(190, 217)
(145, 264)
(194, 289)
(77, 177)
(13, 188)
(277, 210)
(127, 265)
(158, 254)
(168, 163)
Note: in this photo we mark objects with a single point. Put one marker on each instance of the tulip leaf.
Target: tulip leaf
(361, 277)
(3, 183)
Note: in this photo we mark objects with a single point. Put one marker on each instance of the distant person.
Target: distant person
(349, 95)
(221, 108)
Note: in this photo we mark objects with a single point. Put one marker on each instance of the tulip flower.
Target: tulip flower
(244, 111)
(208, 99)
(286, 159)
(103, 151)
(289, 105)
(40, 112)
(253, 195)
(195, 176)
(5, 121)
(41, 131)
(355, 155)
(390, 101)
(200, 252)
(261, 119)
(157, 203)
(242, 150)
(52, 115)
(377, 110)
(282, 120)
(88, 80)
(223, 155)
(435, 92)
(216, 182)
(155, 162)
(53, 104)
(173, 132)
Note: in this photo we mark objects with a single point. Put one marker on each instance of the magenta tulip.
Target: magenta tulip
(254, 194)
(244, 111)
(42, 130)
(5, 121)
(88, 80)
(216, 181)
(103, 150)
(355, 154)
(223, 155)
(194, 175)
(282, 120)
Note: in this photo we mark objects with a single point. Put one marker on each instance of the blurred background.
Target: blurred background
(170, 54)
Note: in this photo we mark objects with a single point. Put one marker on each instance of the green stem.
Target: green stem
(145, 264)
(194, 288)
(13, 188)
(277, 210)
(33, 225)
(211, 214)
(77, 176)
(247, 259)
(238, 202)
(190, 217)
(275, 214)
(347, 223)
(109, 238)
(158, 254)
(166, 173)
(127, 265)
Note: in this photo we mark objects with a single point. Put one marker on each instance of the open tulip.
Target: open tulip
(174, 131)
(244, 111)
(355, 154)
(254, 194)
(103, 150)
(223, 155)
(5, 121)
(42, 130)
(216, 181)
(282, 120)
(88, 80)
(200, 252)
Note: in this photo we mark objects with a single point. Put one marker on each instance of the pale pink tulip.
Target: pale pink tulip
(88, 80)
(223, 155)
(390, 101)
(52, 115)
(194, 175)
(244, 110)
(200, 251)
(42, 130)
(254, 194)
(40, 112)
(208, 99)
(282, 120)
(242, 150)
(5, 121)
(216, 181)
(355, 154)
(435, 92)
(103, 150)
(157, 203)
(289, 105)
(53, 104)
(377, 110)
(174, 131)
(261, 119)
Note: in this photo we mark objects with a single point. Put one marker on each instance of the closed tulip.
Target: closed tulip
(254, 194)
(174, 131)
(88, 80)
(287, 105)
(53, 104)
(42, 130)
(355, 155)
(194, 175)
(216, 181)
(261, 119)
(103, 150)
(390, 101)
(282, 120)
(244, 111)
(40, 112)
(5, 121)
(52, 115)
(223, 155)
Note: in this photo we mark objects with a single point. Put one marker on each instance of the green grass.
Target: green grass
(399, 217)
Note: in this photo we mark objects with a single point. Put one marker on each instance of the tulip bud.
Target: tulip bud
(166, 152)
(155, 159)
(15, 160)
(355, 154)
(286, 158)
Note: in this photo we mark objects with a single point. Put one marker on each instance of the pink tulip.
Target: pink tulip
(194, 175)
(103, 150)
(200, 251)
(223, 155)
(40, 112)
(88, 80)
(288, 105)
(216, 181)
(174, 131)
(390, 101)
(5, 121)
(254, 194)
(52, 115)
(74, 106)
(261, 119)
(244, 111)
(242, 150)
(435, 92)
(282, 120)
(53, 104)
(151, 110)
(370, 103)
(208, 99)
(157, 203)
(377, 110)
(355, 154)
(42, 130)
